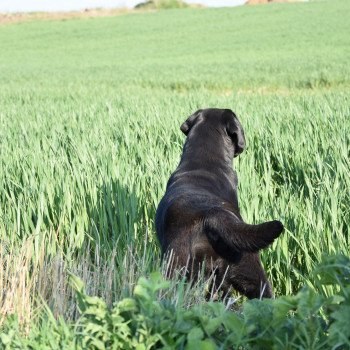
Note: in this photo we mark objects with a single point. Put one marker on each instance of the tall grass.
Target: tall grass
(89, 134)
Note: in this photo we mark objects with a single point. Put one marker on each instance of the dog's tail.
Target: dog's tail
(226, 232)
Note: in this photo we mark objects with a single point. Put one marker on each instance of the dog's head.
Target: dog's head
(216, 121)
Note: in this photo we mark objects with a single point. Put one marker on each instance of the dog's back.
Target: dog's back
(198, 219)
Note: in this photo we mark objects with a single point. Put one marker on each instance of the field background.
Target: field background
(90, 111)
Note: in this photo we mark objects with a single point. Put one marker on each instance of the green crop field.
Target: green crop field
(90, 111)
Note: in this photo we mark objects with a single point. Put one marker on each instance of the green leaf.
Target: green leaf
(76, 283)
(212, 325)
(6, 338)
(195, 334)
(126, 304)
(141, 292)
(207, 344)
(339, 331)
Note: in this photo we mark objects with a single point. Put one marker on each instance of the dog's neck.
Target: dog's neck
(207, 150)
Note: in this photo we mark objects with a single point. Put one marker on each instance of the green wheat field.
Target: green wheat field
(90, 111)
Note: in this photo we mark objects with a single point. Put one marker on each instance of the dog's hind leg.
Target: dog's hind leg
(227, 234)
(247, 276)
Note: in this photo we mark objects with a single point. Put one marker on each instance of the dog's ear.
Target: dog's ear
(188, 124)
(235, 131)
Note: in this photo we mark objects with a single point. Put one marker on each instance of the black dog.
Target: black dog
(198, 219)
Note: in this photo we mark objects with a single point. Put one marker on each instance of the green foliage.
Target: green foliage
(90, 128)
(162, 4)
(89, 134)
(308, 320)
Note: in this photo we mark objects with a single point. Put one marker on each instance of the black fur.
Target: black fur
(198, 219)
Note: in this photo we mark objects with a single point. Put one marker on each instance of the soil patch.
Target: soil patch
(7, 18)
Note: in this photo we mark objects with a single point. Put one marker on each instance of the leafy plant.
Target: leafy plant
(149, 320)
(161, 4)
